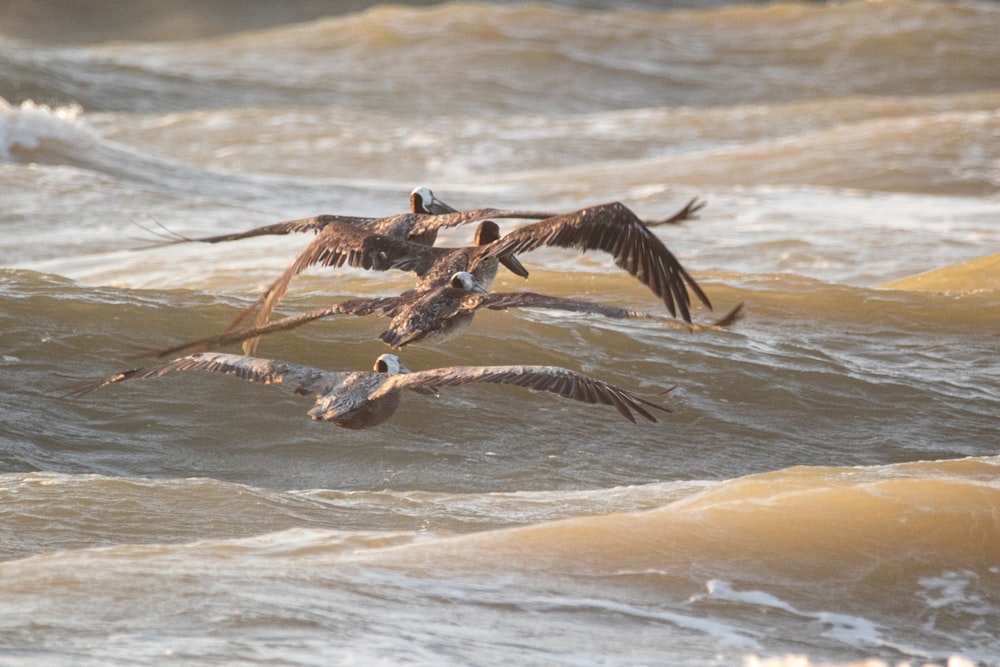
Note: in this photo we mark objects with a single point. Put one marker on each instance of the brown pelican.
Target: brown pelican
(450, 261)
(611, 227)
(437, 314)
(427, 216)
(361, 399)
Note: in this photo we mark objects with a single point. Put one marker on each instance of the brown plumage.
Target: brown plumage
(427, 216)
(369, 251)
(612, 228)
(362, 399)
(438, 314)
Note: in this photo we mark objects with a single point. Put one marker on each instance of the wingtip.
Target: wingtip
(730, 318)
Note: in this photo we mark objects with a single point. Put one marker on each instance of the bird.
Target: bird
(437, 314)
(450, 261)
(362, 399)
(427, 216)
(610, 227)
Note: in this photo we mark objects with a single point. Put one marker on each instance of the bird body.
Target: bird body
(611, 227)
(440, 313)
(360, 399)
(427, 216)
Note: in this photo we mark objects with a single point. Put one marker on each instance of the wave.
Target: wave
(925, 154)
(806, 524)
(836, 549)
(851, 359)
(976, 275)
(37, 134)
(463, 52)
(815, 156)
(86, 511)
(810, 521)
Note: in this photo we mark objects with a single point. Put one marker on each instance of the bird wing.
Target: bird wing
(431, 223)
(505, 300)
(301, 225)
(304, 380)
(358, 307)
(615, 229)
(689, 212)
(338, 244)
(562, 381)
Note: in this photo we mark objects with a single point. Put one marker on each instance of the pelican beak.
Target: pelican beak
(515, 266)
(477, 287)
(438, 207)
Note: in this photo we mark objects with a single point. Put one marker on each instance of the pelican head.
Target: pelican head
(467, 281)
(422, 200)
(488, 232)
(390, 365)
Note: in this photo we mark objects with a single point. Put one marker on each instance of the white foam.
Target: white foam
(948, 589)
(844, 628)
(25, 126)
(803, 661)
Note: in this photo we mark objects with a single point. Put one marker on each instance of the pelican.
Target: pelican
(362, 399)
(427, 216)
(449, 262)
(611, 227)
(437, 314)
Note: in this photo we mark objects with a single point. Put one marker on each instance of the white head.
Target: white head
(422, 200)
(467, 281)
(390, 365)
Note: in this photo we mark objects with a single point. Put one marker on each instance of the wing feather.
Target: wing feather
(554, 379)
(456, 302)
(431, 223)
(506, 300)
(616, 230)
(359, 307)
(336, 245)
(301, 379)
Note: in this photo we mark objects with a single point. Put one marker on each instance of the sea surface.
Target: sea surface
(825, 491)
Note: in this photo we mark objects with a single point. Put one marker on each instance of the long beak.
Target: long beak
(515, 266)
(438, 207)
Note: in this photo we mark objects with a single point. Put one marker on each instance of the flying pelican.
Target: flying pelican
(436, 314)
(451, 261)
(361, 399)
(611, 227)
(427, 216)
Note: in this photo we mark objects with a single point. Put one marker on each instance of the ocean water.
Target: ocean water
(825, 491)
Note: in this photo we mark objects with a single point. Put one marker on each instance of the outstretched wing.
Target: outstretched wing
(562, 381)
(419, 227)
(338, 244)
(689, 212)
(304, 380)
(614, 229)
(505, 300)
(431, 223)
(358, 307)
(299, 226)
